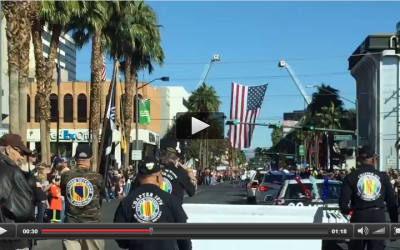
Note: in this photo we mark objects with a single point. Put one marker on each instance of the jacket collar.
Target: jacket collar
(7, 160)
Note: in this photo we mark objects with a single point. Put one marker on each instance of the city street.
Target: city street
(219, 194)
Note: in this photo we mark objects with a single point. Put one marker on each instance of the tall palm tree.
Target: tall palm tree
(323, 98)
(11, 10)
(204, 99)
(54, 14)
(40, 74)
(138, 43)
(89, 24)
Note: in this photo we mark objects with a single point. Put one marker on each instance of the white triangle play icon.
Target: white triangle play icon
(198, 125)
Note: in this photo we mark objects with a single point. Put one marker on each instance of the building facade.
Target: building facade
(74, 111)
(172, 100)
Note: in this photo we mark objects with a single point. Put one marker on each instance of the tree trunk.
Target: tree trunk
(95, 96)
(25, 29)
(50, 66)
(129, 93)
(11, 11)
(40, 74)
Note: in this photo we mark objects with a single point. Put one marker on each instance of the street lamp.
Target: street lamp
(353, 102)
(164, 79)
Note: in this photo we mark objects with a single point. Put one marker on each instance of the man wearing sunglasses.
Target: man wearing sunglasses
(17, 196)
(367, 189)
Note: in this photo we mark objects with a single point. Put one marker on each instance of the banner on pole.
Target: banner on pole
(144, 112)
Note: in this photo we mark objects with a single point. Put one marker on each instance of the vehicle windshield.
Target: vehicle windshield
(279, 178)
(294, 191)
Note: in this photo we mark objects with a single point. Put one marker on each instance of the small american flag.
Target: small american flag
(245, 107)
(103, 71)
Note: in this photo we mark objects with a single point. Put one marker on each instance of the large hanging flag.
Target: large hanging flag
(108, 126)
(246, 102)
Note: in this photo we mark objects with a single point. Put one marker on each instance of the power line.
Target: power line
(261, 61)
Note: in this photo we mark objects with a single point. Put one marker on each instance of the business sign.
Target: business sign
(343, 137)
(71, 135)
(144, 112)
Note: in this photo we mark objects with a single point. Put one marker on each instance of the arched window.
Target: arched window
(53, 108)
(28, 108)
(134, 107)
(68, 108)
(82, 108)
(37, 111)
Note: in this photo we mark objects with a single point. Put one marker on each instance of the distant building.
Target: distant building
(293, 116)
(173, 100)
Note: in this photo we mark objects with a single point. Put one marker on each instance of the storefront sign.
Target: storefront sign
(152, 138)
(144, 112)
(78, 136)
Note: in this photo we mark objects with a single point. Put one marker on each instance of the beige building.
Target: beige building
(74, 107)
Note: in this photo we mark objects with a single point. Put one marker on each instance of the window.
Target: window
(68, 108)
(134, 107)
(53, 108)
(278, 177)
(294, 191)
(37, 111)
(28, 108)
(82, 108)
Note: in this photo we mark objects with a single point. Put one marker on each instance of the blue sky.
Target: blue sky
(259, 34)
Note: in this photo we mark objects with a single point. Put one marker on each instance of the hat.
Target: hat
(14, 140)
(149, 166)
(34, 153)
(172, 146)
(367, 152)
(59, 160)
(83, 152)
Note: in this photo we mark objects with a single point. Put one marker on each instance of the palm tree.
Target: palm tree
(323, 98)
(40, 74)
(55, 14)
(137, 41)
(204, 99)
(86, 25)
(11, 10)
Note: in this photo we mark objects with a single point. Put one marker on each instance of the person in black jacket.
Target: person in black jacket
(366, 189)
(17, 196)
(177, 178)
(149, 204)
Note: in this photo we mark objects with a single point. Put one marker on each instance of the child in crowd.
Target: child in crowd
(55, 200)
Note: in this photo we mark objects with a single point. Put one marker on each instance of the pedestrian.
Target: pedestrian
(366, 189)
(61, 166)
(55, 200)
(17, 197)
(83, 190)
(149, 204)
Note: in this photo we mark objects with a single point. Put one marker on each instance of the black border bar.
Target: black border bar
(328, 231)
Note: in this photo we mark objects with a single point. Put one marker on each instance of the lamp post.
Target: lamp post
(356, 106)
(163, 79)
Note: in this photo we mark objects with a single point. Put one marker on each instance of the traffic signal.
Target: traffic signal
(243, 151)
(277, 125)
(308, 128)
(234, 122)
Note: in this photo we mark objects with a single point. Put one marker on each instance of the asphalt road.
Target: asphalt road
(219, 194)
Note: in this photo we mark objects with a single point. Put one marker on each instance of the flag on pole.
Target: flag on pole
(246, 102)
(103, 71)
(108, 126)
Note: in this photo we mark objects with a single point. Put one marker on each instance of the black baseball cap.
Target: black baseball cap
(367, 152)
(171, 145)
(150, 165)
(83, 152)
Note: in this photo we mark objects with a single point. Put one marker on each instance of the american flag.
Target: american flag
(245, 107)
(103, 71)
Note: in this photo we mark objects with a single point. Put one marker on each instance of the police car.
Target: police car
(253, 185)
(291, 193)
(270, 185)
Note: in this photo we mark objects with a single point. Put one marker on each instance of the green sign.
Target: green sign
(301, 150)
(144, 112)
(343, 137)
(289, 157)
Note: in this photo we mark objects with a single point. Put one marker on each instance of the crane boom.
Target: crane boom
(283, 64)
(207, 70)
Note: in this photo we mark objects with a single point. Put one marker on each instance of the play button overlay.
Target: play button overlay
(189, 124)
(198, 125)
(8, 231)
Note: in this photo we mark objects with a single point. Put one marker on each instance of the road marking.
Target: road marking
(185, 196)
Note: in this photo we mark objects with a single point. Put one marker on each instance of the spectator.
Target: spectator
(16, 195)
(55, 200)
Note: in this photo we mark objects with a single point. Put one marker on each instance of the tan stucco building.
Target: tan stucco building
(74, 104)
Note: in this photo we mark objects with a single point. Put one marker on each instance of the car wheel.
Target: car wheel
(251, 200)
